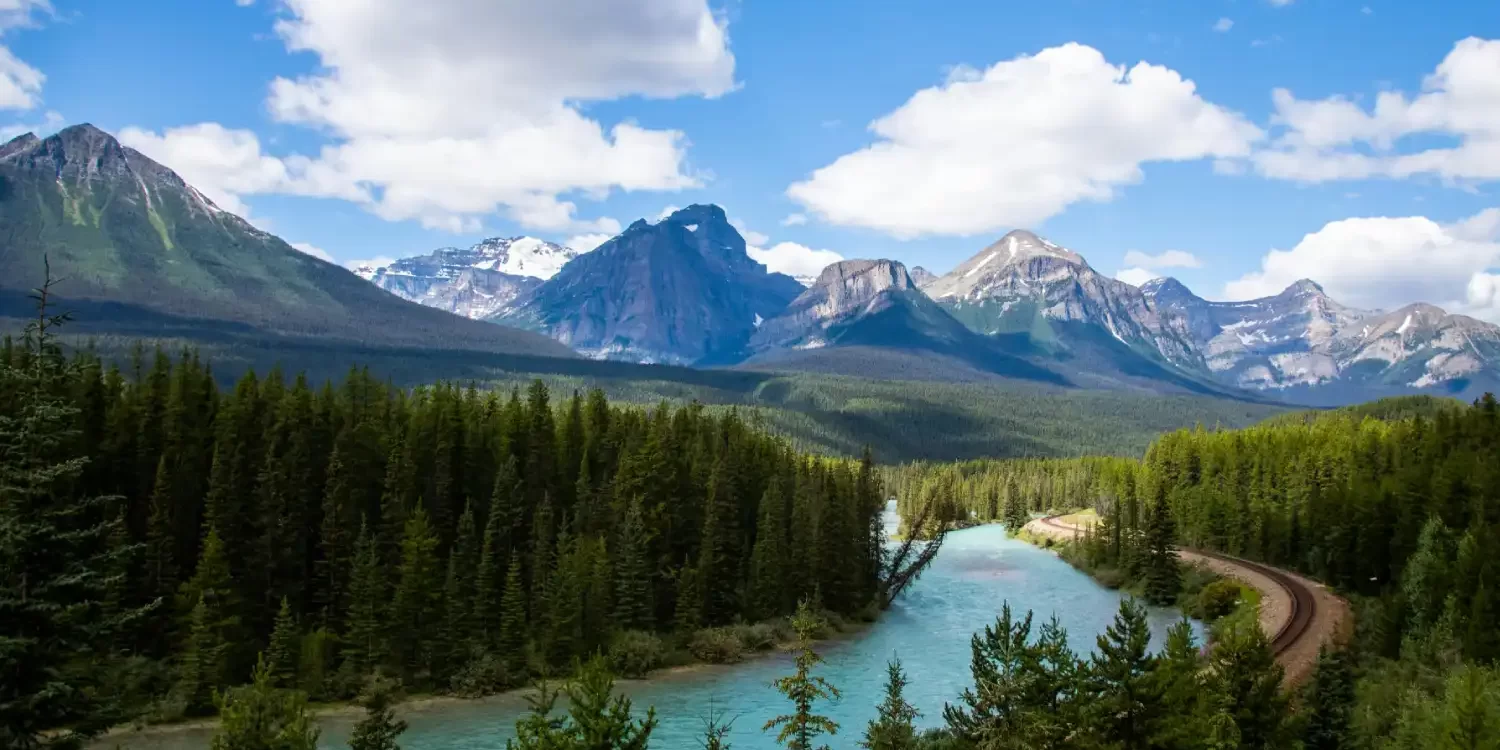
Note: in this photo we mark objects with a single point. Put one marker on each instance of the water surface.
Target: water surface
(977, 571)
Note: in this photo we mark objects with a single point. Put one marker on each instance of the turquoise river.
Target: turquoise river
(977, 571)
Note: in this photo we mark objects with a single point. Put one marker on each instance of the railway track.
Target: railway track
(1303, 602)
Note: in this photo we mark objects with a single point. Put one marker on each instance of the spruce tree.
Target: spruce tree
(804, 689)
(489, 582)
(1246, 681)
(54, 560)
(260, 716)
(1163, 577)
(1329, 702)
(512, 637)
(1125, 698)
(285, 649)
(768, 557)
(366, 623)
(597, 719)
(418, 603)
(633, 604)
(379, 727)
(892, 729)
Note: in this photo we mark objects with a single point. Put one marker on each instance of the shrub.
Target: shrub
(315, 665)
(757, 637)
(717, 646)
(484, 674)
(1110, 578)
(634, 653)
(1218, 599)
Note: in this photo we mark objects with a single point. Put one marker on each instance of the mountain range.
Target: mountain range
(137, 251)
(140, 252)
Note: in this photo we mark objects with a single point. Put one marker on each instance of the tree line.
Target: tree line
(452, 538)
(1393, 503)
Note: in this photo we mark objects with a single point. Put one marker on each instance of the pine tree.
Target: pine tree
(259, 716)
(489, 580)
(633, 605)
(1329, 702)
(1246, 680)
(597, 719)
(366, 623)
(458, 592)
(379, 727)
(1016, 510)
(512, 638)
(54, 560)
(418, 604)
(1179, 683)
(892, 729)
(284, 651)
(1163, 577)
(718, 563)
(804, 689)
(767, 558)
(1125, 699)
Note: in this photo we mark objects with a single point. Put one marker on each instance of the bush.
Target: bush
(757, 637)
(484, 674)
(634, 653)
(315, 664)
(1217, 599)
(717, 646)
(1110, 578)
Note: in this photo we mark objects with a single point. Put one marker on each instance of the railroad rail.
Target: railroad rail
(1304, 603)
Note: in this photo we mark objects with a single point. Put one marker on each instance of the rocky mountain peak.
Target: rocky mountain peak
(921, 276)
(878, 275)
(1166, 286)
(1303, 288)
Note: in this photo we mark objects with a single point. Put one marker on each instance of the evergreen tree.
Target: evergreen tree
(379, 727)
(633, 606)
(259, 716)
(366, 623)
(1247, 682)
(767, 559)
(892, 729)
(597, 719)
(1330, 700)
(801, 727)
(512, 639)
(489, 582)
(284, 651)
(717, 573)
(1125, 698)
(54, 559)
(418, 603)
(1163, 577)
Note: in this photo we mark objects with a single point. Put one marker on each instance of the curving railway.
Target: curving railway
(1303, 600)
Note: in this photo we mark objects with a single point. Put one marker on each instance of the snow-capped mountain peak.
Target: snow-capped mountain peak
(476, 282)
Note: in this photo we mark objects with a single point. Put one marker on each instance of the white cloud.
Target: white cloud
(51, 123)
(1366, 10)
(1224, 24)
(584, 243)
(465, 110)
(244, 3)
(22, 13)
(1135, 276)
(1384, 262)
(1017, 143)
(1168, 259)
(793, 259)
(666, 211)
(794, 220)
(1484, 296)
(1338, 139)
(751, 236)
(20, 84)
(314, 251)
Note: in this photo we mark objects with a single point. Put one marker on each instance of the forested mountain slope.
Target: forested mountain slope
(138, 251)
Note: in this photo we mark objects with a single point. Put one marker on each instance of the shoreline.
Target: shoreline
(422, 702)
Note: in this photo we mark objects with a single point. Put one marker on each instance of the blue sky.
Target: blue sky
(387, 130)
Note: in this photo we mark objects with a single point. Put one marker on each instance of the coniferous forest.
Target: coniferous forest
(309, 535)
(1396, 505)
(173, 550)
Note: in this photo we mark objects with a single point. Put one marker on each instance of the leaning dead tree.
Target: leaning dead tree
(925, 532)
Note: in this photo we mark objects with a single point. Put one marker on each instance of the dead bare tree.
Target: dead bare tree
(925, 533)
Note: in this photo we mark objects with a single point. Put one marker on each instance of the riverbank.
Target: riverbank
(1269, 603)
(838, 630)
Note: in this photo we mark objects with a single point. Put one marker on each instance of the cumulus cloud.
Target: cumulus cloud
(751, 236)
(51, 122)
(1339, 139)
(794, 220)
(1017, 143)
(1224, 24)
(1135, 276)
(466, 110)
(20, 84)
(1386, 262)
(313, 250)
(794, 259)
(1167, 259)
(584, 243)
